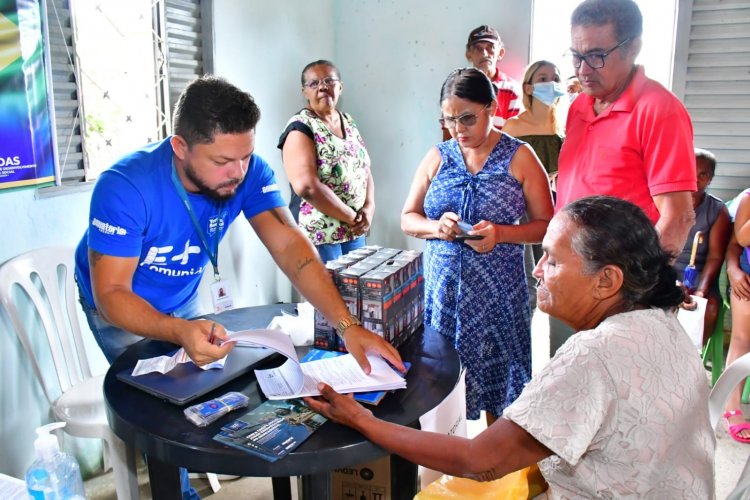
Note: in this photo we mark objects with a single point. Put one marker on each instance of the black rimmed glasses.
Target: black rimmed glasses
(595, 60)
(466, 119)
(328, 82)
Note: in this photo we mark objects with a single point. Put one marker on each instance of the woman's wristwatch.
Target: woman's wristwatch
(345, 323)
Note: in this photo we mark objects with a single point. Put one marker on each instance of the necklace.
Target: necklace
(333, 125)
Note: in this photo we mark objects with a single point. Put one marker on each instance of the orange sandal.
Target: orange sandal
(735, 429)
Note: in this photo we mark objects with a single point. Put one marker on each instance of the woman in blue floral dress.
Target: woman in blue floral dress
(476, 289)
(328, 166)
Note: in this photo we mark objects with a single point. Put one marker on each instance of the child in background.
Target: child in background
(712, 219)
(738, 271)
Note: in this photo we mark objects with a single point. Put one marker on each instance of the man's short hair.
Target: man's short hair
(624, 15)
(484, 33)
(210, 105)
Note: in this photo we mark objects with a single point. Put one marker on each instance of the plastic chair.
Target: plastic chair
(41, 282)
(732, 376)
(713, 351)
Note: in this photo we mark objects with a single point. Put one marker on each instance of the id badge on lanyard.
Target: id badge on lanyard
(221, 293)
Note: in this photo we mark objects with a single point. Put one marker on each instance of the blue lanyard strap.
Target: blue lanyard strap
(213, 256)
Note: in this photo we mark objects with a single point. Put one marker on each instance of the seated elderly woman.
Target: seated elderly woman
(622, 408)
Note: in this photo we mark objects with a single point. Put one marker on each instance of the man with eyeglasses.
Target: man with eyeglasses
(483, 50)
(626, 135)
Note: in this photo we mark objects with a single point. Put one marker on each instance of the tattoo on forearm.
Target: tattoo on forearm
(283, 215)
(302, 265)
(94, 257)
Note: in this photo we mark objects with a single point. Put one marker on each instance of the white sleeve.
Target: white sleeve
(568, 405)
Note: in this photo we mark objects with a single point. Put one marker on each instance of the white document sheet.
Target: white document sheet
(342, 373)
(292, 379)
(262, 338)
(12, 488)
(692, 321)
(164, 364)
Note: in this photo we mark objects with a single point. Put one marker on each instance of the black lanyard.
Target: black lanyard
(213, 256)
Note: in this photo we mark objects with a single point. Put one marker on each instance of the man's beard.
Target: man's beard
(205, 189)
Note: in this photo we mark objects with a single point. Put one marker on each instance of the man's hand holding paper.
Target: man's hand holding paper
(202, 340)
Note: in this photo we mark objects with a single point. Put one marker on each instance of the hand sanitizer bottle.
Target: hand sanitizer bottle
(54, 475)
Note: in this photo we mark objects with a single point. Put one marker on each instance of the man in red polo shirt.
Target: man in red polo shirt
(626, 135)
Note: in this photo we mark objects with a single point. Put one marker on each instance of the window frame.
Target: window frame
(183, 44)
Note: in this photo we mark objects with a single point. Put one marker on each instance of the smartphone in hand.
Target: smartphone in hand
(465, 228)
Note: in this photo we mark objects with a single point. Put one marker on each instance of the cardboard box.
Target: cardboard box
(369, 481)
(376, 291)
(384, 290)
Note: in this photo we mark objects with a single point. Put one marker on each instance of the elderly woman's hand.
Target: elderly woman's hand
(334, 406)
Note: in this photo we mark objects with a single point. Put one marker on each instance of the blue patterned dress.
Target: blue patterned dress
(480, 300)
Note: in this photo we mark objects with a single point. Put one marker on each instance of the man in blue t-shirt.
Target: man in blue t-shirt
(156, 220)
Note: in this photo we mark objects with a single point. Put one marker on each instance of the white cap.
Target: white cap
(46, 444)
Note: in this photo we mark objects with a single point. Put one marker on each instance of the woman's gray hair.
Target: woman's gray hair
(615, 232)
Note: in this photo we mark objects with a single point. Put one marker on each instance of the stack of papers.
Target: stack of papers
(295, 380)
(371, 397)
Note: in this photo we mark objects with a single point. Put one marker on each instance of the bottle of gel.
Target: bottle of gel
(54, 475)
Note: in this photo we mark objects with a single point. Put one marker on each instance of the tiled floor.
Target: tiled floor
(730, 455)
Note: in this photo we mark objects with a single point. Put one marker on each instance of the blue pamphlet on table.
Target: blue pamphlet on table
(271, 430)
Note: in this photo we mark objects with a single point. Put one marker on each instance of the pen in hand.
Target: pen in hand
(211, 333)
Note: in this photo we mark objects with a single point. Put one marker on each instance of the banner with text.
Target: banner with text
(26, 157)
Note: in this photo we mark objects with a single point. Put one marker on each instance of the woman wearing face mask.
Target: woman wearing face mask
(538, 124)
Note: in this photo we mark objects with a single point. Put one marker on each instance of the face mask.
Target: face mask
(547, 92)
(572, 96)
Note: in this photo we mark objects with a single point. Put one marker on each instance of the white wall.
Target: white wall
(393, 57)
(262, 47)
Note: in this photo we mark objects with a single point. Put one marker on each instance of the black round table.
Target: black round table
(160, 430)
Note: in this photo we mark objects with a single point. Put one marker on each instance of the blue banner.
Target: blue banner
(26, 155)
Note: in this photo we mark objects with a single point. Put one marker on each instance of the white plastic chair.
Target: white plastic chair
(39, 285)
(738, 371)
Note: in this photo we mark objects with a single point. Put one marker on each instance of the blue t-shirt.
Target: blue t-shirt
(136, 212)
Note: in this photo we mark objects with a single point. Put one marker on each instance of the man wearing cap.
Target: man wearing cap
(626, 135)
(483, 50)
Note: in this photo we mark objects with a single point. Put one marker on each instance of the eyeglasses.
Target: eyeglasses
(466, 119)
(328, 82)
(595, 60)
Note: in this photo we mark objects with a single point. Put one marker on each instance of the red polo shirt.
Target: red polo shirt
(640, 147)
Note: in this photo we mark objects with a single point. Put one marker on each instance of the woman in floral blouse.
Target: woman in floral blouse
(328, 166)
